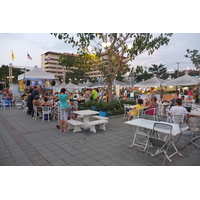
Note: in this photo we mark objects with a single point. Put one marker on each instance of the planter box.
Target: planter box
(102, 113)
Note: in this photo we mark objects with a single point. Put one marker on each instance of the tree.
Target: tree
(194, 56)
(120, 48)
(72, 64)
(159, 70)
(4, 73)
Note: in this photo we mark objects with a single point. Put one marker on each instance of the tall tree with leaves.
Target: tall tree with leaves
(159, 70)
(194, 56)
(120, 48)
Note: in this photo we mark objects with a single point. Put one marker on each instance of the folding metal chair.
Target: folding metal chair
(195, 142)
(185, 130)
(159, 142)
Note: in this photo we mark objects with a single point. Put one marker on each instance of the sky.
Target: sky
(38, 43)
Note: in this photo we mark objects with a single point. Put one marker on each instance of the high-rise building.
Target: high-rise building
(50, 63)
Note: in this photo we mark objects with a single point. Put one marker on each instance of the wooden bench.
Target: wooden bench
(74, 124)
(101, 122)
(100, 117)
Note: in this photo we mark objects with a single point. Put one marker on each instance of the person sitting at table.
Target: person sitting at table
(71, 108)
(151, 104)
(134, 110)
(46, 103)
(178, 109)
(172, 103)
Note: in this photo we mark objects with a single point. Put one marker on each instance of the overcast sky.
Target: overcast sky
(38, 43)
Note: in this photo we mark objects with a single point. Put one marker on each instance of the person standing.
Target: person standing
(35, 92)
(190, 94)
(87, 95)
(63, 109)
(125, 94)
(94, 94)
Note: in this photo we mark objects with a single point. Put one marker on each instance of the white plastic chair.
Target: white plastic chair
(46, 110)
(5, 103)
(153, 112)
(126, 109)
(18, 104)
(35, 112)
(139, 113)
(24, 106)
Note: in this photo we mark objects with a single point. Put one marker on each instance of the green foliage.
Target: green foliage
(194, 56)
(116, 48)
(159, 70)
(114, 107)
(4, 72)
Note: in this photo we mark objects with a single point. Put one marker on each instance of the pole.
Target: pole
(178, 69)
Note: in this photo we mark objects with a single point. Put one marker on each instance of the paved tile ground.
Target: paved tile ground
(28, 142)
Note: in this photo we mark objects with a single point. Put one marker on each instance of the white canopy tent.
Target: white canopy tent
(98, 84)
(152, 82)
(70, 87)
(36, 74)
(84, 85)
(185, 80)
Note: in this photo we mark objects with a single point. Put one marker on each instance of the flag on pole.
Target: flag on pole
(29, 57)
(48, 59)
(13, 56)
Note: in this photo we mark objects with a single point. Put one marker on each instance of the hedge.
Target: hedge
(112, 108)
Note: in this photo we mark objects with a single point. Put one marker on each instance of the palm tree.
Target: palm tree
(159, 70)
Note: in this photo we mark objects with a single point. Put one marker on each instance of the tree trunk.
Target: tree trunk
(110, 83)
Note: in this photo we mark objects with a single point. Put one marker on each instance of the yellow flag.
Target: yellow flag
(13, 56)
(21, 85)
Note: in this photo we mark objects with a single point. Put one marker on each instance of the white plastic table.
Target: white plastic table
(148, 124)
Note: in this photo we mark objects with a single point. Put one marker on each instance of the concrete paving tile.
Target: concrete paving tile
(76, 163)
(23, 162)
(64, 155)
(80, 156)
(97, 157)
(58, 163)
(29, 138)
(88, 161)
(4, 155)
(71, 159)
(40, 162)
(106, 161)
(6, 160)
(48, 154)
(52, 159)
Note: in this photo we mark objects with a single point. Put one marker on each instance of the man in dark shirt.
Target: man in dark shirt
(35, 92)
